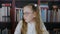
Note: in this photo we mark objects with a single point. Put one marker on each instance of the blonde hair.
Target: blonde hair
(37, 19)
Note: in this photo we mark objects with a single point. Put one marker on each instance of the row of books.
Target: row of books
(4, 12)
(49, 15)
(19, 14)
(5, 31)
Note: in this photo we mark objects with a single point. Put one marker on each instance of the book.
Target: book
(5, 31)
(43, 14)
(0, 31)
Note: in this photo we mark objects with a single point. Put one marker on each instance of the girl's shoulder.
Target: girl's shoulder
(18, 27)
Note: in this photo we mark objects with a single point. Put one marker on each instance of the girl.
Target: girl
(31, 23)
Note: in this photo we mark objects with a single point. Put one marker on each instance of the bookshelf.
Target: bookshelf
(50, 17)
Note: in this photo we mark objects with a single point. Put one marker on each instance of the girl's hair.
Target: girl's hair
(37, 19)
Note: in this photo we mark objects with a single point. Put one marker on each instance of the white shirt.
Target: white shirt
(31, 28)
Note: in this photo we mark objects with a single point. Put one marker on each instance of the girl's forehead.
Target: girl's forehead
(27, 9)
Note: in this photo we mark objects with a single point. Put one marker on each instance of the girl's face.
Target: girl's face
(28, 14)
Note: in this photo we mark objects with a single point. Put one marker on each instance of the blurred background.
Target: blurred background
(11, 13)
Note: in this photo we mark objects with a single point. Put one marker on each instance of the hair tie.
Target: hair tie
(35, 5)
